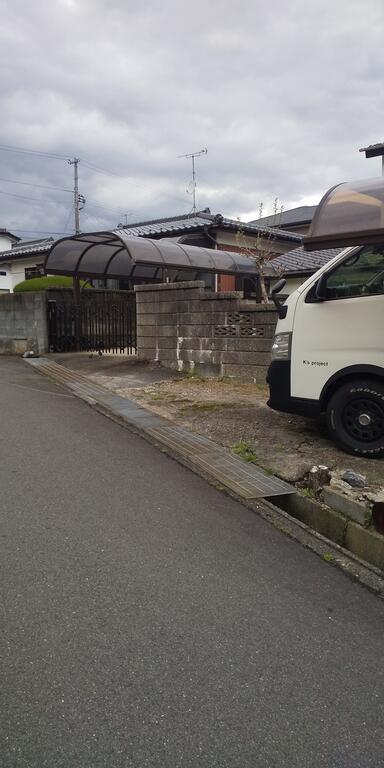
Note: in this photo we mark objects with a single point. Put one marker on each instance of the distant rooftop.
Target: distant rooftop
(26, 248)
(195, 222)
(301, 215)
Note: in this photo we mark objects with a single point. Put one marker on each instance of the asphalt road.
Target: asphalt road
(149, 620)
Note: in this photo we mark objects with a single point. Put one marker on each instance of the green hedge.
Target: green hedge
(42, 283)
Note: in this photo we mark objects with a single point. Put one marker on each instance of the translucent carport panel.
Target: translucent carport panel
(199, 258)
(63, 257)
(121, 264)
(224, 261)
(146, 273)
(173, 254)
(246, 265)
(349, 214)
(142, 251)
(96, 258)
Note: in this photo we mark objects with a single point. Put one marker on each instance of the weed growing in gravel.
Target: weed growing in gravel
(308, 492)
(244, 450)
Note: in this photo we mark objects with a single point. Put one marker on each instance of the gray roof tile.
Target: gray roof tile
(299, 261)
(26, 248)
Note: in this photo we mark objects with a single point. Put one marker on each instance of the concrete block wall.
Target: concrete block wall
(23, 323)
(187, 328)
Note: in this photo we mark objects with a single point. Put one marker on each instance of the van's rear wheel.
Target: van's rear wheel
(355, 417)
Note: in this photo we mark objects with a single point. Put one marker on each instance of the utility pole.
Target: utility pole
(75, 163)
(76, 281)
(192, 156)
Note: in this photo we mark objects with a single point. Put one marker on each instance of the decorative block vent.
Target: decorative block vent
(258, 331)
(245, 318)
(226, 330)
(237, 330)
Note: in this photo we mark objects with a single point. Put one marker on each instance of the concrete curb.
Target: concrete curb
(330, 551)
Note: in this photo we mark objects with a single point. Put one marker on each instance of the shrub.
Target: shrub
(49, 281)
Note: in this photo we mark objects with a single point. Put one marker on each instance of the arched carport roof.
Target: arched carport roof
(351, 213)
(115, 254)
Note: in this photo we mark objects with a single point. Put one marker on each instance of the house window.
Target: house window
(3, 274)
(35, 271)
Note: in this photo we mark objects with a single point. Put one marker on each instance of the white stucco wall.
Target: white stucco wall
(15, 271)
(225, 238)
(5, 242)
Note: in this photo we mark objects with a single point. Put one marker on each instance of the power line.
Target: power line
(101, 170)
(113, 211)
(23, 151)
(91, 166)
(30, 184)
(25, 197)
(95, 204)
(86, 164)
(37, 232)
(109, 211)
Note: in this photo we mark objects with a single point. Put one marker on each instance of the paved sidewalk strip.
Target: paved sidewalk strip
(217, 462)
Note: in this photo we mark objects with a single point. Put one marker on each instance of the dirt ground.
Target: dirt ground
(231, 413)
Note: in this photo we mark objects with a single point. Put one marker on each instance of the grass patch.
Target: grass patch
(328, 557)
(244, 450)
(206, 406)
(45, 282)
(308, 492)
(193, 376)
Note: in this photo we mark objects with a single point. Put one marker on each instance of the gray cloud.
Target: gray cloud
(282, 94)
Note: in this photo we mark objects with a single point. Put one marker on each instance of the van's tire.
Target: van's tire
(355, 417)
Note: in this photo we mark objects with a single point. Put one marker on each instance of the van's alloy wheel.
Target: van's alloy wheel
(355, 417)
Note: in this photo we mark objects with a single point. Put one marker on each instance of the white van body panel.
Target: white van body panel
(332, 335)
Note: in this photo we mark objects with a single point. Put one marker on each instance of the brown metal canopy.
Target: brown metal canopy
(349, 214)
(115, 254)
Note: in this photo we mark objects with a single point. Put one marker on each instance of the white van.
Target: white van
(328, 351)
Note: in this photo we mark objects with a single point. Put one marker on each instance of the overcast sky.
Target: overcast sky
(282, 94)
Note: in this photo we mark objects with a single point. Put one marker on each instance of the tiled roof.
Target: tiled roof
(174, 225)
(26, 248)
(301, 262)
(301, 215)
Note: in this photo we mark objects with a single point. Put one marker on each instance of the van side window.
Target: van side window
(361, 274)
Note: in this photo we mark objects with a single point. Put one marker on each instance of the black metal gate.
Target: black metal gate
(103, 321)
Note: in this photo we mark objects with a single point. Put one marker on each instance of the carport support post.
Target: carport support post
(76, 290)
(77, 313)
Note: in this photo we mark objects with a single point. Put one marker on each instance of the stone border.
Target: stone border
(366, 544)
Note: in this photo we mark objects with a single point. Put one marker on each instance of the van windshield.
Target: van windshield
(361, 274)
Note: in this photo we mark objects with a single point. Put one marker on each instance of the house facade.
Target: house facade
(22, 261)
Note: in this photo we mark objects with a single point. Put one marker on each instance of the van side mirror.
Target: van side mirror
(321, 288)
(281, 309)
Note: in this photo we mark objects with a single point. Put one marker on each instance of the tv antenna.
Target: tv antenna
(192, 186)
